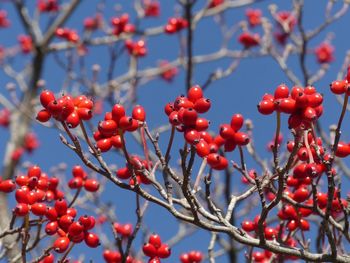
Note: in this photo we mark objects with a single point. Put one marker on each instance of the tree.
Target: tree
(122, 178)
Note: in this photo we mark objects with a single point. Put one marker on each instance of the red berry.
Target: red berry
(73, 120)
(125, 122)
(248, 226)
(34, 171)
(51, 228)
(301, 194)
(149, 250)
(226, 131)
(343, 150)
(201, 124)
(61, 206)
(281, 92)
(174, 118)
(286, 105)
(75, 183)
(75, 229)
(84, 113)
(46, 97)
(202, 148)
(189, 117)
(339, 86)
(237, 122)
(21, 209)
(202, 105)
(61, 244)
(7, 186)
(304, 225)
(195, 256)
(266, 107)
(241, 138)
(123, 173)
(108, 128)
(270, 233)
(195, 93)
(48, 259)
(118, 111)
(38, 209)
(87, 221)
(92, 240)
(292, 225)
(104, 144)
(309, 90)
(138, 113)
(164, 251)
(78, 171)
(91, 185)
(155, 240)
(112, 256)
(43, 115)
(192, 136)
(65, 221)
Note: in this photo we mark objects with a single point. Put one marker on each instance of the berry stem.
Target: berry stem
(189, 70)
(145, 147)
(171, 139)
(13, 220)
(75, 197)
(25, 238)
(307, 145)
(67, 252)
(277, 133)
(199, 175)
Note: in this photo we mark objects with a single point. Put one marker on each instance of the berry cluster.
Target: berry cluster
(175, 24)
(341, 86)
(183, 114)
(61, 222)
(248, 39)
(68, 34)
(169, 74)
(137, 49)
(324, 53)
(253, 17)
(47, 6)
(230, 134)
(215, 3)
(35, 191)
(68, 109)
(124, 230)
(80, 179)
(151, 8)
(121, 25)
(29, 145)
(264, 256)
(116, 122)
(93, 23)
(270, 233)
(137, 165)
(111, 256)
(191, 257)
(5, 115)
(7, 186)
(155, 249)
(303, 104)
(26, 43)
(285, 25)
(4, 22)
